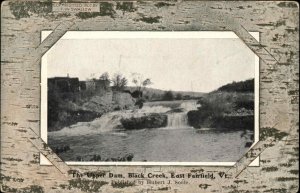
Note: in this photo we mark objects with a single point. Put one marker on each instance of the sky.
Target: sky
(185, 64)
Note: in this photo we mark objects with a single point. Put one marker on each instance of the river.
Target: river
(178, 142)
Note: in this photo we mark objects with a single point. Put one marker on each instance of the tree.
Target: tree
(119, 82)
(168, 96)
(104, 76)
(140, 83)
(179, 96)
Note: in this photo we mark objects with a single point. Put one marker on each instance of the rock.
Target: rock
(154, 120)
(102, 103)
(177, 110)
(96, 158)
(123, 100)
(68, 118)
(129, 157)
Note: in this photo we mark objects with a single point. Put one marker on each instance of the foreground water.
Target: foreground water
(175, 143)
(162, 144)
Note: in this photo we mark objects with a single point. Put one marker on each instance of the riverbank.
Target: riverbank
(231, 107)
(198, 120)
(68, 109)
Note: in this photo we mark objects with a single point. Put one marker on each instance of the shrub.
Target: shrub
(140, 103)
(179, 96)
(224, 110)
(168, 96)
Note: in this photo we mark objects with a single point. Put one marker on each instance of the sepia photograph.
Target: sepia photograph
(149, 97)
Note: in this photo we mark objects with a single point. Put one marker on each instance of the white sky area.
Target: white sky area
(197, 64)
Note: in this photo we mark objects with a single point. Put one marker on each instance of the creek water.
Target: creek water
(178, 142)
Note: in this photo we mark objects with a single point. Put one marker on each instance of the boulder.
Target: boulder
(154, 120)
(123, 100)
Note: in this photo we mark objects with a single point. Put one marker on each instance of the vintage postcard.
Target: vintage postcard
(146, 93)
(149, 96)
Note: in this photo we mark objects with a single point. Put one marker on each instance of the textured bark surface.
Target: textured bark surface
(21, 51)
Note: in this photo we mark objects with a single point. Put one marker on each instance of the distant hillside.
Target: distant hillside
(156, 94)
(241, 86)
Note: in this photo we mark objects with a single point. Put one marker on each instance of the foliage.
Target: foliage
(96, 158)
(228, 107)
(168, 96)
(119, 82)
(216, 111)
(196, 118)
(179, 96)
(244, 103)
(217, 104)
(140, 103)
(168, 104)
(152, 94)
(227, 102)
(242, 86)
(104, 76)
(137, 94)
(63, 110)
(140, 82)
(53, 110)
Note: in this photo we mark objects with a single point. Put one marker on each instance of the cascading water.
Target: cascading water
(110, 121)
(176, 120)
(180, 120)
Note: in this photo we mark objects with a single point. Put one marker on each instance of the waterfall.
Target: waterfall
(176, 120)
(106, 123)
(179, 120)
(110, 121)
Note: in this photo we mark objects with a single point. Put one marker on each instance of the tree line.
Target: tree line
(119, 83)
(241, 86)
